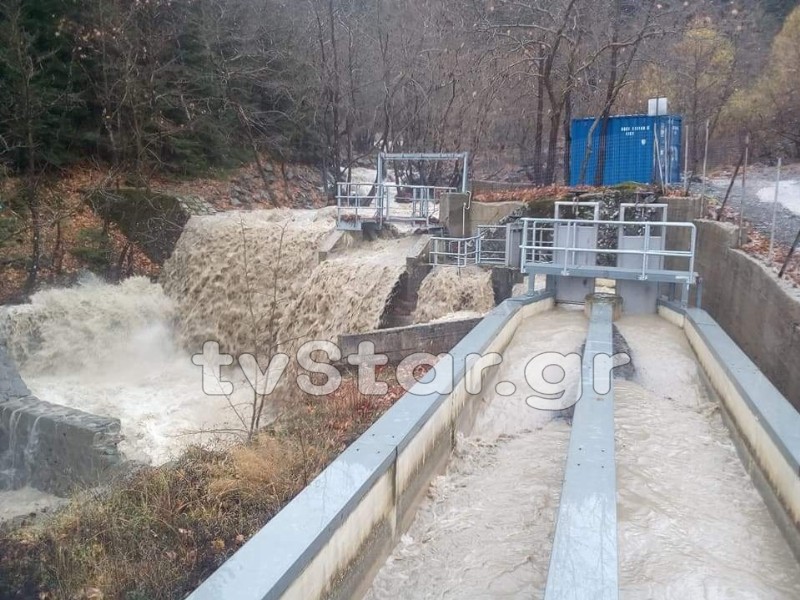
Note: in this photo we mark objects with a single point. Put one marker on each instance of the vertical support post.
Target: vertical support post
(507, 257)
(699, 298)
(685, 294)
(774, 211)
(572, 235)
(686, 162)
(523, 247)
(464, 170)
(645, 247)
(744, 186)
(380, 190)
(705, 168)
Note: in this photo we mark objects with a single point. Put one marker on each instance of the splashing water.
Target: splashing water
(248, 281)
(448, 290)
(485, 531)
(109, 350)
(90, 325)
(233, 276)
(254, 284)
(691, 524)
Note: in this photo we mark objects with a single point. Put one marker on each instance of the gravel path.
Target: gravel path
(759, 194)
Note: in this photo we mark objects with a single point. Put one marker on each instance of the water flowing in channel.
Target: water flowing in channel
(691, 524)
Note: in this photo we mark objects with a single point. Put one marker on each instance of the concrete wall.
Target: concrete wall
(330, 539)
(489, 213)
(763, 424)
(452, 216)
(50, 447)
(399, 312)
(503, 281)
(479, 213)
(399, 342)
(761, 314)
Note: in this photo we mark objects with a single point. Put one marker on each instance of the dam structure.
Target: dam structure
(586, 428)
(601, 437)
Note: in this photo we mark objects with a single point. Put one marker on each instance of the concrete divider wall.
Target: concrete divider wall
(50, 447)
(461, 223)
(761, 314)
(764, 424)
(330, 540)
(490, 213)
(399, 342)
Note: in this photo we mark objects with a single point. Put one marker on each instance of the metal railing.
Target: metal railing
(387, 202)
(570, 244)
(455, 252)
(353, 206)
(493, 245)
(395, 202)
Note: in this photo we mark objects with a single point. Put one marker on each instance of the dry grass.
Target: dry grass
(159, 532)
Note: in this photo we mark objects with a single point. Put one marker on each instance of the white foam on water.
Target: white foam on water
(691, 523)
(249, 281)
(485, 531)
(109, 350)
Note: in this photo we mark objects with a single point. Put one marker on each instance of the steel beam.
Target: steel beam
(584, 559)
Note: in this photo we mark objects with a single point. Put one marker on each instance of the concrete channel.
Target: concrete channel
(456, 493)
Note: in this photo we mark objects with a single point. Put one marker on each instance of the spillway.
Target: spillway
(685, 501)
(249, 281)
(476, 536)
(688, 521)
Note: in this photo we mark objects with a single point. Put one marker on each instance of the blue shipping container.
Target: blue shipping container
(638, 148)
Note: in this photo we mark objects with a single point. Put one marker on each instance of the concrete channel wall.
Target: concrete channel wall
(764, 425)
(50, 447)
(761, 314)
(463, 223)
(398, 342)
(331, 539)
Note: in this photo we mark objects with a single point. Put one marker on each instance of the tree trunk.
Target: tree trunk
(552, 146)
(538, 134)
(567, 136)
(36, 233)
(602, 148)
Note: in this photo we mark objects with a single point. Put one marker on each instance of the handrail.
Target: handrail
(352, 206)
(493, 248)
(532, 248)
(467, 251)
